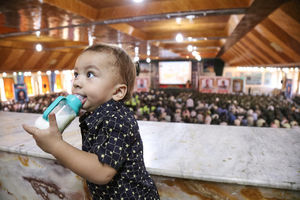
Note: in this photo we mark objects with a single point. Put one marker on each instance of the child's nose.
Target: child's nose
(77, 83)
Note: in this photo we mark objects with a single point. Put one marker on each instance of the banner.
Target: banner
(142, 84)
(206, 84)
(288, 88)
(20, 93)
(237, 85)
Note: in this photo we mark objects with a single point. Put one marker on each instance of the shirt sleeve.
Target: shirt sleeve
(112, 144)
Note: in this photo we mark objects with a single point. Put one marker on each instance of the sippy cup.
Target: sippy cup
(65, 109)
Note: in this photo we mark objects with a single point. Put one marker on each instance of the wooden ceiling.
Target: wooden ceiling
(241, 32)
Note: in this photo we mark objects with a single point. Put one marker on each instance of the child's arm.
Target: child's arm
(80, 162)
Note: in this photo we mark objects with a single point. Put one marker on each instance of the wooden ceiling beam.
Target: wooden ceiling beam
(16, 44)
(258, 11)
(194, 34)
(199, 43)
(75, 6)
(159, 7)
(129, 30)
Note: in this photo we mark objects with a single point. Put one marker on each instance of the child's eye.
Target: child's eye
(90, 74)
(75, 74)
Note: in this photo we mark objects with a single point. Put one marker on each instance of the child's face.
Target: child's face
(94, 78)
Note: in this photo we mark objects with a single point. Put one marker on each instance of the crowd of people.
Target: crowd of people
(36, 104)
(190, 106)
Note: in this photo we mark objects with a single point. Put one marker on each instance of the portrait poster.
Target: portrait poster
(20, 92)
(142, 84)
(223, 84)
(237, 85)
(288, 88)
(206, 84)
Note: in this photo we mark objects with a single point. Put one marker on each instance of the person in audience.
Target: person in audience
(151, 106)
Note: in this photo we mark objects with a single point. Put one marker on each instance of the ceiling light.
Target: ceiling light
(136, 50)
(190, 17)
(48, 72)
(195, 53)
(4, 74)
(178, 20)
(38, 47)
(148, 60)
(190, 39)
(138, 1)
(190, 48)
(38, 33)
(56, 72)
(179, 37)
(136, 59)
(198, 57)
(39, 72)
(15, 73)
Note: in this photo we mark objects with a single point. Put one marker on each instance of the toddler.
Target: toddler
(111, 159)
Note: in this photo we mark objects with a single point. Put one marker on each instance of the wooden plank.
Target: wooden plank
(256, 54)
(13, 58)
(62, 62)
(287, 23)
(250, 20)
(33, 59)
(262, 41)
(284, 38)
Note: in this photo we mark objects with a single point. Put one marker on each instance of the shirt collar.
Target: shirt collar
(100, 112)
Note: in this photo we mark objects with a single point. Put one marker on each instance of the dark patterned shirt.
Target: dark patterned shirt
(112, 133)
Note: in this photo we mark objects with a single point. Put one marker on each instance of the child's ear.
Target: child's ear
(120, 92)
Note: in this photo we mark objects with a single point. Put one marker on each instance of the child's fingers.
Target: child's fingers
(30, 129)
(52, 121)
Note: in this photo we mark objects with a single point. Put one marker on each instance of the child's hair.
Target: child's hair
(126, 68)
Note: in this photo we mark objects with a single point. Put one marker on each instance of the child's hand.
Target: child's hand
(46, 139)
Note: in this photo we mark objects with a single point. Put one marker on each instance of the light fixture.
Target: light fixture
(179, 37)
(38, 33)
(138, 1)
(39, 72)
(136, 59)
(48, 72)
(148, 50)
(15, 73)
(190, 17)
(195, 53)
(190, 39)
(56, 72)
(148, 60)
(198, 57)
(4, 74)
(190, 48)
(38, 47)
(178, 20)
(27, 73)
